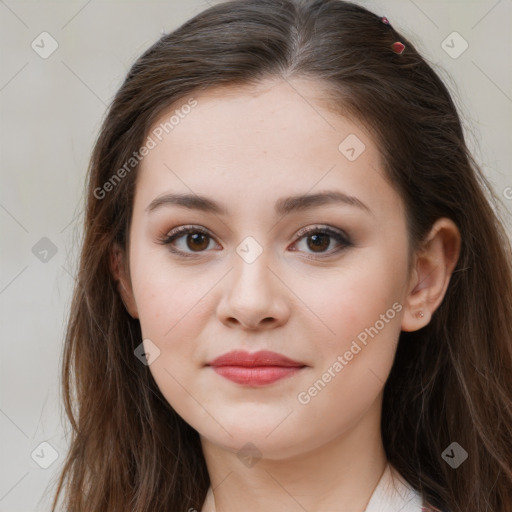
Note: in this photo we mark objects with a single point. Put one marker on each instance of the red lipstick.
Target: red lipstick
(256, 369)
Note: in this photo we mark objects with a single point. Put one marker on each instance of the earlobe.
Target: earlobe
(432, 269)
(118, 267)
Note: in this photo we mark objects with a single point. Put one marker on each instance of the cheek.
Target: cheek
(363, 310)
(352, 298)
(166, 294)
(172, 314)
(360, 308)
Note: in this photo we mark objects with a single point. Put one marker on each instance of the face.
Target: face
(321, 280)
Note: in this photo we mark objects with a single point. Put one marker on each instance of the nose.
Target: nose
(255, 296)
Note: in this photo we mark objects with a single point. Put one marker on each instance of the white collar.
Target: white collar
(394, 494)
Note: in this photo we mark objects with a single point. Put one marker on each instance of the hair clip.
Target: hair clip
(398, 47)
(384, 20)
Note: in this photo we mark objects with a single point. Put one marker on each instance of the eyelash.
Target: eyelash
(177, 233)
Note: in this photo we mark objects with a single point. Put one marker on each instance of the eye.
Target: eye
(318, 239)
(195, 240)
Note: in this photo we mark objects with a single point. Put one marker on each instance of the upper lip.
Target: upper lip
(261, 358)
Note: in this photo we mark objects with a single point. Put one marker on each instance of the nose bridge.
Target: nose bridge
(253, 293)
(251, 276)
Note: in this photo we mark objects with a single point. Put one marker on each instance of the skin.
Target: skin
(245, 148)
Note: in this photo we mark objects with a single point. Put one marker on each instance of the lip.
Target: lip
(248, 360)
(256, 369)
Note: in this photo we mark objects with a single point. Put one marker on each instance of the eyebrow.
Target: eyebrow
(283, 206)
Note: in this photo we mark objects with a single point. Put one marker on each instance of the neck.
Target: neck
(340, 474)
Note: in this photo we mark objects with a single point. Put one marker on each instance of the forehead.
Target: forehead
(260, 140)
(265, 112)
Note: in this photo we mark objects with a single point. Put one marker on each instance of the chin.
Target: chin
(258, 441)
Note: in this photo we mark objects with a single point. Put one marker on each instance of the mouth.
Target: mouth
(257, 369)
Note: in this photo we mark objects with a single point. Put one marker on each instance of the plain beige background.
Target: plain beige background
(51, 109)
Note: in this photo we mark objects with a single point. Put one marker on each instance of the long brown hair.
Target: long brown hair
(451, 381)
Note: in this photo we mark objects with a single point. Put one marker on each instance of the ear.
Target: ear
(120, 270)
(431, 272)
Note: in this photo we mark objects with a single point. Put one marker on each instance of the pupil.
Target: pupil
(317, 241)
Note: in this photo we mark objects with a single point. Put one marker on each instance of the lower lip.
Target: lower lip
(256, 376)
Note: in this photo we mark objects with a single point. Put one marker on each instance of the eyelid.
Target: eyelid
(321, 227)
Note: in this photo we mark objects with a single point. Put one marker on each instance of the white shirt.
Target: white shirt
(394, 494)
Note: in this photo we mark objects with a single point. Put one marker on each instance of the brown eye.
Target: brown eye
(191, 241)
(319, 243)
(318, 240)
(197, 241)
(187, 240)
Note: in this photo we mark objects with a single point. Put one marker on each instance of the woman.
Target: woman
(294, 290)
